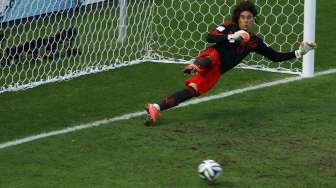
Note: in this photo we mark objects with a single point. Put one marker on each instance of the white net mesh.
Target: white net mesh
(181, 27)
(46, 41)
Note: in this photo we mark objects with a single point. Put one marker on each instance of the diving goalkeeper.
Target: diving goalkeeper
(233, 41)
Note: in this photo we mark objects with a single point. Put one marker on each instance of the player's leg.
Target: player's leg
(178, 97)
(195, 86)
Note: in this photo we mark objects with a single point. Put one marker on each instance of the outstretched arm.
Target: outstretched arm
(276, 56)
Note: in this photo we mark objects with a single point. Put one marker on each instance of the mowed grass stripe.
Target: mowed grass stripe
(140, 113)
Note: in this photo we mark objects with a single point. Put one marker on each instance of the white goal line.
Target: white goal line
(141, 113)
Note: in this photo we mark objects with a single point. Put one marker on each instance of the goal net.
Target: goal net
(47, 41)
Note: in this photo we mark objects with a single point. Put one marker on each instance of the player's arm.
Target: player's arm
(227, 33)
(276, 56)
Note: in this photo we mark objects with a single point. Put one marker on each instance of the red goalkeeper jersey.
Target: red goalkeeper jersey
(232, 53)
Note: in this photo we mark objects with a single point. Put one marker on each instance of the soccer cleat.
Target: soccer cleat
(152, 114)
(191, 69)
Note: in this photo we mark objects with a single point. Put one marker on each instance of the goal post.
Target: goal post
(48, 41)
(122, 20)
(309, 34)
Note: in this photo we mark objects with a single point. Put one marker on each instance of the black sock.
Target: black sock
(177, 98)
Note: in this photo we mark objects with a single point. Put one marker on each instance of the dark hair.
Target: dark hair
(245, 5)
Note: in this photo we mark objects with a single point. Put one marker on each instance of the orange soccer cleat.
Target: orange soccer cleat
(152, 114)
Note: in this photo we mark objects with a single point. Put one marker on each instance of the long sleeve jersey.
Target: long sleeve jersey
(233, 52)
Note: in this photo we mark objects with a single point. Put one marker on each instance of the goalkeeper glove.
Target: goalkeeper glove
(239, 35)
(304, 48)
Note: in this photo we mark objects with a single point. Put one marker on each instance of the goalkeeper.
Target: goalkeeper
(233, 41)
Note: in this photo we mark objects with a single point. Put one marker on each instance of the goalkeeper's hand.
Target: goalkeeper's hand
(192, 69)
(239, 35)
(304, 48)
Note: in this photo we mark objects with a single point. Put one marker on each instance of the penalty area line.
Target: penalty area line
(137, 114)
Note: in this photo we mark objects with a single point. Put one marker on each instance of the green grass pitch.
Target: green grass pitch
(282, 136)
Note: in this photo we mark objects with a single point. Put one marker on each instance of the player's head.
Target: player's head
(244, 14)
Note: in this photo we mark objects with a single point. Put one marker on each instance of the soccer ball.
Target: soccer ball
(209, 170)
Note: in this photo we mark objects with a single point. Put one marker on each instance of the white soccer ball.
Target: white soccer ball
(209, 170)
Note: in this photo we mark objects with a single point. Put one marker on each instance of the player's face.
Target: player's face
(246, 20)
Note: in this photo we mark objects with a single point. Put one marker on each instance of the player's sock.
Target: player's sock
(177, 98)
